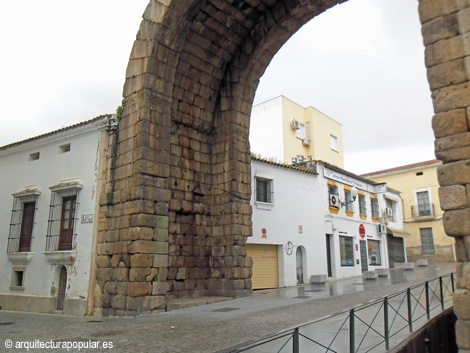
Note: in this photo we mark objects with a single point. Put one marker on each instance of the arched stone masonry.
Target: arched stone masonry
(176, 212)
(446, 35)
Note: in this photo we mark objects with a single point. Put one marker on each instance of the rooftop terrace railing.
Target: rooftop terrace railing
(371, 327)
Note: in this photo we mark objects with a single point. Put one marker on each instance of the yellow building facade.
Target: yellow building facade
(421, 208)
(287, 132)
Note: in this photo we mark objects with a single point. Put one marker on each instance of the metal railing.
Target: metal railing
(372, 327)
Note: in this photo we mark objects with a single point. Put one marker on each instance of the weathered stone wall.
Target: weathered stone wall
(176, 212)
(446, 35)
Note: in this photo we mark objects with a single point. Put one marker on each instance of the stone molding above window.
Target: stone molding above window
(65, 184)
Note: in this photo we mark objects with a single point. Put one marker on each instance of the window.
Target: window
(333, 199)
(424, 207)
(62, 220)
(64, 148)
(264, 190)
(374, 207)
(22, 222)
(301, 132)
(362, 205)
(334, 142)
(34, 156)
(348, 199)
(332, 189)
(17, 278)
(427, 241)
(373, 247)
(392, 205)
(346, 251)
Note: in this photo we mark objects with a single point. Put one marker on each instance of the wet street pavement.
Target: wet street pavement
(207, 328)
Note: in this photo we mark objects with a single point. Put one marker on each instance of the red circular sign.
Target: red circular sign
(362, 231)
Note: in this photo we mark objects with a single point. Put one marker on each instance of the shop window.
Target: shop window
(373, 249)
(22, 222)
(61, 230)
(264, 190)
(346, 247)
(427, 241)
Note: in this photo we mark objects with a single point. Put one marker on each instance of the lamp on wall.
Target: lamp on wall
(353, 195)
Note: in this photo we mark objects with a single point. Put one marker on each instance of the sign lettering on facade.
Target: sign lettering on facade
(331, 174)
(87, 218)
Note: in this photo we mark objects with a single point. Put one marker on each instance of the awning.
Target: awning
(398, 232)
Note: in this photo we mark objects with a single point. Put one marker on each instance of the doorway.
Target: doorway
(300, 267)
(328, 255)
(62, 288)
(364, 265)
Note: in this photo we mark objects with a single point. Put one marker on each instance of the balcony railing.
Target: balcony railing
(423, 211)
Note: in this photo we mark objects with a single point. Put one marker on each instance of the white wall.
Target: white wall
(16, 172)
(266, 130)
(296, 203)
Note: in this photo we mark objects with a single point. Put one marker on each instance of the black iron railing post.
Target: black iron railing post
(410, 314)
(295, 341)
(428, 311)
(386, 330)
(442, 293)
(352, 333)
(452, 281)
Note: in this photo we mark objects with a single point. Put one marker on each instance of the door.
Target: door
(396, 250)
(26, 232)
(364, 260)
(300, 267)
(62, 288)
(265, 266)
(66, 223)
(328, 255)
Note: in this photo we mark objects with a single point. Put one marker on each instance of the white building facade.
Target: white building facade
(320, 220)
(48, 217)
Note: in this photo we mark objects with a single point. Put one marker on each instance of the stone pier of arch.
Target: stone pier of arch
(175, 213)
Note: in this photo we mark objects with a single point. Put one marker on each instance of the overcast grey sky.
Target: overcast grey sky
(361, 63)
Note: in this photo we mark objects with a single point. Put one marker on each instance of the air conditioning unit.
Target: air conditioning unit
(295, 125)
(334, 201)
(388, 212)
(381, 229)
(306, 142)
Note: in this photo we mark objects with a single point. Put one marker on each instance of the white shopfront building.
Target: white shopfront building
(319, 220)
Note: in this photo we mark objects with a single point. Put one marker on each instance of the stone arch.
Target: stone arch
(176, 211)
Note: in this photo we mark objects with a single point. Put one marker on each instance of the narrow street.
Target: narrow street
(212, 327)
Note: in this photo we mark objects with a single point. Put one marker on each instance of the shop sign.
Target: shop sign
(331, 174)
(362, 231)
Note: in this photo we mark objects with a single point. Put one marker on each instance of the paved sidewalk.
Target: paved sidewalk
(210, 327)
